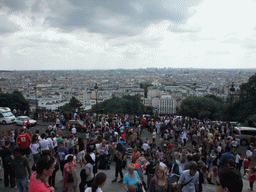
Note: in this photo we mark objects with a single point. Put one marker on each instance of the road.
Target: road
(109, 187)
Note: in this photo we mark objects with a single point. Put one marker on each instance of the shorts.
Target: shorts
(80, 155)
(25, 151)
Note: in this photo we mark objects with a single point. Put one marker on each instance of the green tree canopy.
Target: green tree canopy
(126, 105)
(244, 108)
(248, 89)
(73, 104)
(207, 107)
(14, 100)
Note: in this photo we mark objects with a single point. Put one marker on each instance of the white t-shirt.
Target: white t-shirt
(154, 135)
(44, 144)
(50, 127)
(50, 143)
(89, 189)
(34, 148)
(73, 130)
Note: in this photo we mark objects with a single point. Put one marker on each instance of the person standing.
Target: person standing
(225, 157)
(35, 148)
(69, 169)
(73, 130)
(45, 168)
(229, 181)
(86, 173)
(98, 183)
(62, 151)
(131, 177)
(7, 157)
(23, 141)
(118, 160)
(19, 165)
(189, 180)
(159, 182)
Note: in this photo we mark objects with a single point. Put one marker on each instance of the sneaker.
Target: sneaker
(114, 180)
(121, 181)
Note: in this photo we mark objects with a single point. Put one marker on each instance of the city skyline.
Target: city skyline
(100, 35)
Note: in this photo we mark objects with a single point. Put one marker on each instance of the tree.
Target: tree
(75, 103)
(71, 106)
(244, 108)
(207, 107)
(248, 89)
(126, 105)
(14, 100)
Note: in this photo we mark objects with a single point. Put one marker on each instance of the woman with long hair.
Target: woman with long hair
(118, 161)
(159, 183)
(69, 168)
(81, 150)
(35, 148)
(86, 173)
(98, 183)
(44, 168)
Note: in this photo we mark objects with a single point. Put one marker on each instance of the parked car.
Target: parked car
(244, 134)
(23, 119)
(6, 115)
(79, 125)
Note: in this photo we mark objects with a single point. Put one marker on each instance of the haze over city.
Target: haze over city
(66, 35)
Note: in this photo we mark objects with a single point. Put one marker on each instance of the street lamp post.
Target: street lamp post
(36, 113)
(232, 90)
(96, 92)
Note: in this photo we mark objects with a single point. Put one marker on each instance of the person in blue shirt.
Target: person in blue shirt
(225, 157)
(62, 152)
(131, 177)
(194, 137)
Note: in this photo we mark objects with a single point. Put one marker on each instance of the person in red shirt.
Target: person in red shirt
(251, 177)
(44, 168)
(23, 140)
(28, 124)
(143, 124)
(246, 163)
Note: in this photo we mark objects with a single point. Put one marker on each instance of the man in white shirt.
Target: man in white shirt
(44, 144)
(73, 130)
(145, 146)
(189, 180)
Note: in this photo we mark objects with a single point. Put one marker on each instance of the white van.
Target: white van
(244, 134)
(6, 116)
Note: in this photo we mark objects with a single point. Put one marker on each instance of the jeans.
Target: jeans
(22, 184)
(36, 157)
(8, 172)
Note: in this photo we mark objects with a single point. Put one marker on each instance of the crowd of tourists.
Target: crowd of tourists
(180, 154)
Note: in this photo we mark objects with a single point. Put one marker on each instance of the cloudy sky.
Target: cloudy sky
(128, 34)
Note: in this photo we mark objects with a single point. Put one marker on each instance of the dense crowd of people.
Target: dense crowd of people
(181, 154)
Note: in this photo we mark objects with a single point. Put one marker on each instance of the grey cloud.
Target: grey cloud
(7, 26)
(115, 17)
(14, 5)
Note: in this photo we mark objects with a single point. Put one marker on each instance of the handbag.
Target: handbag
(70, 178)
